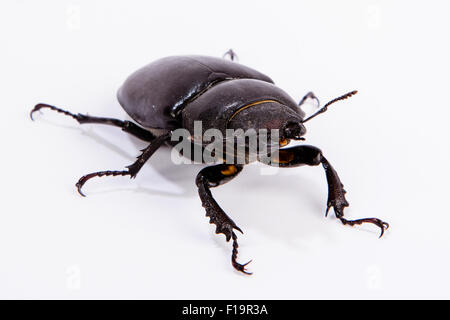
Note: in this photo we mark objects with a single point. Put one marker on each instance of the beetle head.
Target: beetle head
(270, 115)
(293, 130)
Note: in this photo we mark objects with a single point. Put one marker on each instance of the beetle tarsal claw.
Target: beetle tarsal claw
(79, 185)
(40, 106)
(379, 223)
(85, 178)
(237, 265)
(241, 267)
(339, 210)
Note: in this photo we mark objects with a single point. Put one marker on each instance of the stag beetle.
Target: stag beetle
(176, 91)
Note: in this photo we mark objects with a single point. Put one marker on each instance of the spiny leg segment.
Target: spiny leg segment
(214, 176)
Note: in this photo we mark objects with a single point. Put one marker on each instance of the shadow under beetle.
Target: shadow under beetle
(173, 92)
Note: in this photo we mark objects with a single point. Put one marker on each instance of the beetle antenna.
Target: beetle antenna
(325, 107)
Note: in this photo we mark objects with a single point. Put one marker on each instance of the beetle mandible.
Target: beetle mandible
(174, 92)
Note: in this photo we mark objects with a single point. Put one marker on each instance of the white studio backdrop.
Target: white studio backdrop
(149, 237)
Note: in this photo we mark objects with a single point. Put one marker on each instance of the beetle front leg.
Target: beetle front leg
(336, 199)
(211, 177)
(312, 156)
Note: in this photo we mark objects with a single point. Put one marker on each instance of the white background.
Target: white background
(149, 237)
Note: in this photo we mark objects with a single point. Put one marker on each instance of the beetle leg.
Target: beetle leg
(336, 199)
(126, 126)
(214, 176)
(312, 156)
(309, 95)
(233, 56)
(133, 169)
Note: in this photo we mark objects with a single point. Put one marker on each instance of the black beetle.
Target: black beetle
(173, 92)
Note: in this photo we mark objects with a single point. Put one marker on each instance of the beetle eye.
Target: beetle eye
(294, 130)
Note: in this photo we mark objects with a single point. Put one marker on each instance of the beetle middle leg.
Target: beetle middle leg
(312, 156)
(133, 169)
(126, 126)
(233, 56)
(214, 176)
(309, 95)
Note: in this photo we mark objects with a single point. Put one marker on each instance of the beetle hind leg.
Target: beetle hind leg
(126, 126)
(214, 176)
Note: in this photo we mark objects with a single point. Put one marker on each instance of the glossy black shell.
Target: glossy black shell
(216, 107)
(155, 95)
